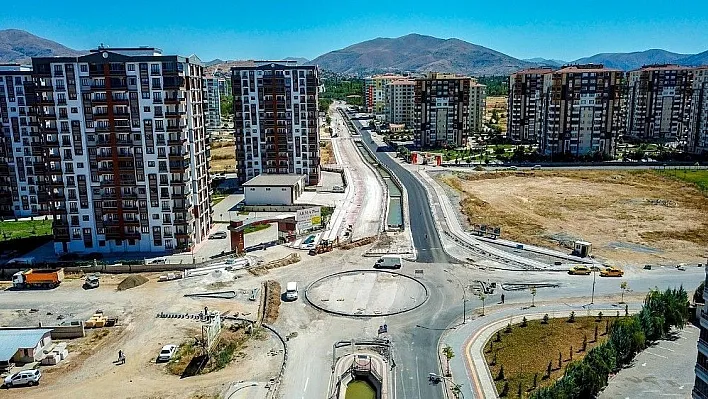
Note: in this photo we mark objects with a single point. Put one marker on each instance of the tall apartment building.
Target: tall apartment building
(23, 190)
(224, 85)
(399, 102)
(375, 92)
(698, 125)
(525, 104)
(582, 110)
(700, 387)
(275, 119)
(658, 103)
(213, 102)
(126, 149)
(448, 108)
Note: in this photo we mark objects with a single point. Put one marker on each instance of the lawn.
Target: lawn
(25, 228)
(527, 351)
(697, 177)
(255, 227)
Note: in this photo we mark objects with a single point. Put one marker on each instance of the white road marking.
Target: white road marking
(663, 357)
(670, 350)
(417, 373)
(307, 381)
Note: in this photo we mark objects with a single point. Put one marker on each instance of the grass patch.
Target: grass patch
(697, 177)
(527, 351)
(216, 198)
(24, 228)
(255, 227)
(231, 341)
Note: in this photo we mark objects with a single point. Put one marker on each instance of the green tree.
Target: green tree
(449, 354)
(623, 285)
(227, 105)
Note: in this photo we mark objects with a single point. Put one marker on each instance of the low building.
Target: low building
(273, 189)
(700, 387)
(23, 345)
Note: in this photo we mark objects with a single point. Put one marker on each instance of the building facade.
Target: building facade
(700, 387)
(224, 86)
(126, 148)
(213, 103)
(375, 92)
(445, 109)
(525, 104)
(23, 190)
(275, 119)
(658, 103)
(582, 110)
(400, 102)
(478, 106)
(698, 125)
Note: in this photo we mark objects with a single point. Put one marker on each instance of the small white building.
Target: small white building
(273, 189)
(23, 345)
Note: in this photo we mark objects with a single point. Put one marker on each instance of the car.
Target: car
(91, 281)
(25, 377)
(612, 272)
(536, 167)
(219, 235)
(512, 168)
(337, 189)
(579, 270)
(166, 353)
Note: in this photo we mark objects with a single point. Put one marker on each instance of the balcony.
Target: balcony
(176, 128)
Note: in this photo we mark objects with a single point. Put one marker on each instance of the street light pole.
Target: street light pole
(592, 297)
(464, 297)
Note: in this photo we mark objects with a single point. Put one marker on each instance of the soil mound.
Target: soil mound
(132, 282)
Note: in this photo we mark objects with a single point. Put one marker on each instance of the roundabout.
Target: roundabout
(366, 293)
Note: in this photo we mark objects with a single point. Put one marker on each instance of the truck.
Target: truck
(48, 278)
(388, 261)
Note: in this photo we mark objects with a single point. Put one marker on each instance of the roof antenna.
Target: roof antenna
(102, 46)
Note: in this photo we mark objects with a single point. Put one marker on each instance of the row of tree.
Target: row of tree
(661, 312)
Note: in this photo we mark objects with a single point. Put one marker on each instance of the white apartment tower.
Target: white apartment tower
(127, 150)
(22, 179)
(275, 119)
(400, 105)
(213, 101)
(698, 126)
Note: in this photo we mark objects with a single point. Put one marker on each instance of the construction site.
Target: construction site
(630, 217)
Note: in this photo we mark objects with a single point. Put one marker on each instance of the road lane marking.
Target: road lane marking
(417, 373)
(307, 381)
(663, 357)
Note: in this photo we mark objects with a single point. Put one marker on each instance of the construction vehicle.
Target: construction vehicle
(91, 282)
(38, 278)
(322, 247)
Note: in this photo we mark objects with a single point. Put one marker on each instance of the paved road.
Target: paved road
(425, 236)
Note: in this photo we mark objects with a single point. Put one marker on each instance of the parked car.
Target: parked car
(579, 270)
(337, 189)
(219, 235)
(536, 167)
(25, 377)
(166, 353)
(612, 272)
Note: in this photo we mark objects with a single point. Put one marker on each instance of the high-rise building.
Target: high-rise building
(698, 125)
(582, 110)
(126, 148)
(399, 102)
(275, 119)
(525, 104)
(224, 85)
(448, 108)
(375, 92)
(23, 190)
(213, 103)
(658, 103)
(700, 387)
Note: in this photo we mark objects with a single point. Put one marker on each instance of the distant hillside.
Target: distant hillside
(18, 46)
(695, 60)
(299, 60)
(546, 61)
(419, 53)
(630, 61)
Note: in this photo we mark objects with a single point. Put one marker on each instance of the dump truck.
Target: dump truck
(38, 278)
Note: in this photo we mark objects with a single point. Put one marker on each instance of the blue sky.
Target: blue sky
(258, 29)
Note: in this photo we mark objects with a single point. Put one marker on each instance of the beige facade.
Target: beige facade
(698, 123)
(525, 104)
(399, 102)
(375, 92)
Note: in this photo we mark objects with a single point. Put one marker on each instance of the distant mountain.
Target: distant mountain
(419, 53)
(213, 62)
(630, 61)
(299, 60)
(18, 46)
(546, 61)
(695, 60)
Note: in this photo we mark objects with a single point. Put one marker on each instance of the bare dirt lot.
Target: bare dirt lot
(630, 217)
(223, 157)
(500, 105)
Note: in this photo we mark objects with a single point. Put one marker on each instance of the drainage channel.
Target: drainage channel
(394, 218)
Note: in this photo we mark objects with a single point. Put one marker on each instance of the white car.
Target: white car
(166, 353)
(26, 377)
(219, 235)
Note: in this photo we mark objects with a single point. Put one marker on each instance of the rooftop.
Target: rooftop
(585, 68)
(274, 180)
(11, 340)
(534, 71)
(131, 51)
(663, 67)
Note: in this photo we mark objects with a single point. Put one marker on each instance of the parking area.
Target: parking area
(665, 369)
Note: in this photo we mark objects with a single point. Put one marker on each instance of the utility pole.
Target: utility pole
(592, 297)
(464, 297)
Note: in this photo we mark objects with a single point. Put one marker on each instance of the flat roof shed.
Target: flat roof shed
(12, 340)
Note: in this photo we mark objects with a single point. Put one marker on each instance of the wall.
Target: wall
(268, 195)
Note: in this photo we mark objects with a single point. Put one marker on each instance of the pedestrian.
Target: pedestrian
(120, 355)
(502, 298)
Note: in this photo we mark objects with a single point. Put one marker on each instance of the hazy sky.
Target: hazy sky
(564, 30)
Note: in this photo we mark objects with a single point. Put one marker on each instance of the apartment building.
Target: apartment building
(375, 92)
(213, 102)
(399, 104)
(126, 149)
(448, 108)
(658, 103)
(478, 106)
(275, 119)
(700, 387)
(582, 110)
(525, 104)
(224, 86)
(698, 121)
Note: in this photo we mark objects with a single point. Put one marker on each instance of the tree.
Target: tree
(571, 318)
(548, 370)
(518, 392)
(533, 297)
(623, 285)
(560, 360)
(449, 354)
(585, 343)
(498, 336)
(571, 352)
(698, 294)
(535, 380)
(500, 375)
(524, 322)
(545, 319)
(227, 104)
(595, 339)
(505, 389)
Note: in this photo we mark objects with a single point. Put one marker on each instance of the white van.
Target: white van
(291, 291)
(389, 261)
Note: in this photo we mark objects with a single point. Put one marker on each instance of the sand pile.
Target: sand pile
(131, 282)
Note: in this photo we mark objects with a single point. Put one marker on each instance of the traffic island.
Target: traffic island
(363, 374)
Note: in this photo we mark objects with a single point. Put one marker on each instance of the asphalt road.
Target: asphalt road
(425, 235)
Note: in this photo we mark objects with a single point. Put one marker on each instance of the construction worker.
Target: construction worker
(502, 298)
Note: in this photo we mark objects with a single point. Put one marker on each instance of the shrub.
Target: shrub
(545, 319)
(508, 328)
(571, 318)
(524, 322)
(599, 316)
(500, 375)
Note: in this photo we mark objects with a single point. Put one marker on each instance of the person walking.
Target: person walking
(502, 298)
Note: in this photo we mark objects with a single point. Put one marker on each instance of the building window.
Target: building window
(131, 67)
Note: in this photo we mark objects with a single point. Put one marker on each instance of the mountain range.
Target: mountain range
(413, 53)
